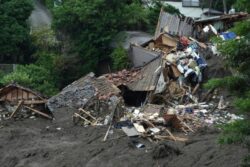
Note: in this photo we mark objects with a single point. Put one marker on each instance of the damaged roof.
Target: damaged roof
(148, 77)
(174, 25)
(80, 92)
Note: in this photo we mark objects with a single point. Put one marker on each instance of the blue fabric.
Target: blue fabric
(201, 62)
(228, 35)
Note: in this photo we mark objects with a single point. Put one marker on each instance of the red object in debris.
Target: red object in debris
(184, 41)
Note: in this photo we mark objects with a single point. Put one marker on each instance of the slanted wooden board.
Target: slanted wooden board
(38, 112)
(17, 108)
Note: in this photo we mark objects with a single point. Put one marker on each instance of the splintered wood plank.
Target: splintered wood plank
(17, 108)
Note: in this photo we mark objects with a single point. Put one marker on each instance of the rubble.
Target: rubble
(159, 98)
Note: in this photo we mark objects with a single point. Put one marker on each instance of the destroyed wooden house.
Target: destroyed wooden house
(15, 97)
(90, 93)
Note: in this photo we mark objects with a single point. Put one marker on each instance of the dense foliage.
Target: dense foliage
(91, 26)
(15, 42)
(120, 58)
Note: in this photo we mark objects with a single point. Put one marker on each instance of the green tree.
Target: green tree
(15, 43)
(120, 58)
(91, 25)
(33, 76)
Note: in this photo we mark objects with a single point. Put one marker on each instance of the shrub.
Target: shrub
(120, 58)
(235, 132)
(33, 76)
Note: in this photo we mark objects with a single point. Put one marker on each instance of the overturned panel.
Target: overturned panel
(141, 56)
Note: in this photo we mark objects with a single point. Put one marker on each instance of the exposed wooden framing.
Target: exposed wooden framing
(38, 112)
(78, 115)
(88, 114)
(17, 108)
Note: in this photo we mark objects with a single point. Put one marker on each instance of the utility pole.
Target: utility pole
(225, 6)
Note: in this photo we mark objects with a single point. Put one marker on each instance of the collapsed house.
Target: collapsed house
(88, 93)
(19, 101)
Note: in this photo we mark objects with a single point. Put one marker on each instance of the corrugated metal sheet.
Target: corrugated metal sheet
(141, 56)
(149, 76)
(173, 25)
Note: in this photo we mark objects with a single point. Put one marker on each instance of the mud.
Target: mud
(43, 143)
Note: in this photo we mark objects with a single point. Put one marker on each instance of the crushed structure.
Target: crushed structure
(18, 101)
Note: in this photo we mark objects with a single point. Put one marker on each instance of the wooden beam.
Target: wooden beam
(35, 101)
(17, 108)
(38, 112)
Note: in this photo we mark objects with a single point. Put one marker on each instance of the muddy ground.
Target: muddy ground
(42, 143)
